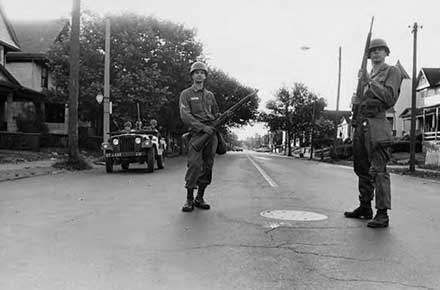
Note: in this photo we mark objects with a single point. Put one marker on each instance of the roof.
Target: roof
(407, 112)
(37, 36)
(9, 83)
(405, 75)
(7, 78)
(25, 57)
(8, 37)
(432, 75)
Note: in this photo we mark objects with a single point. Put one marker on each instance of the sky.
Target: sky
(259, 42)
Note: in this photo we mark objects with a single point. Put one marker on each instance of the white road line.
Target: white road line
(263, 173)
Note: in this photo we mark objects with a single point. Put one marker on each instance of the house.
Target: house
(427, 105)
(15, 99)
(30, 65)
(427, 113)
(342, 120)
(400, 127)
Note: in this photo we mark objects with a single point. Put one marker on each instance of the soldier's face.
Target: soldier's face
(199, 76)
(378, 54)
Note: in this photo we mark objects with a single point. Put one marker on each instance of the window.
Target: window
(44, 77)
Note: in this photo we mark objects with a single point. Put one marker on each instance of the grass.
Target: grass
(417, 173)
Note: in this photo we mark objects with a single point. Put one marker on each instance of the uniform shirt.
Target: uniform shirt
(197, 108)
(382, 91)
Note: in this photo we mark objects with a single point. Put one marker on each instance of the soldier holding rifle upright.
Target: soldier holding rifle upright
(377, 93)
(198, 110)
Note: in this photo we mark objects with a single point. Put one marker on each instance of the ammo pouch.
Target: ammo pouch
(380, 132)
(221, 146)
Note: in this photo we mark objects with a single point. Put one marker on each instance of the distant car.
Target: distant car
(236, 148)
(263, 149)
(134, 146)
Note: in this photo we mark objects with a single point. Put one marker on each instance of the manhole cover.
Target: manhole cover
(293, 215)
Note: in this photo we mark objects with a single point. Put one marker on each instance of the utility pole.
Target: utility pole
(74, 82)
(312, 129)
(337, 100)
(339, 78)
(412, 159)
(106, 121)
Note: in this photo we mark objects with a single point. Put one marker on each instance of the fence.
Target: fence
(19, 141)
(431, 136)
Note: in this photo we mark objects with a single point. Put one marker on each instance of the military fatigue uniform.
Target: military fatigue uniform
(373, 135)
(198, 108)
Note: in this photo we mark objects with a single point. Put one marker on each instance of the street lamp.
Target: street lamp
(99, 98)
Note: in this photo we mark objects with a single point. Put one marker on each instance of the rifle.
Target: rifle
(361, 84)
(199, 143)
(138, 124)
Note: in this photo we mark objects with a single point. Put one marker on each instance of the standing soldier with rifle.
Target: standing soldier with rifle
(376, 93)
(198, 110)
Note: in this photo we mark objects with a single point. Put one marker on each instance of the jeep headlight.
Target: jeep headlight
(116, 141)
(137, 140)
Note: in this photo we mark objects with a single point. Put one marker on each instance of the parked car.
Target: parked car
(134, 146)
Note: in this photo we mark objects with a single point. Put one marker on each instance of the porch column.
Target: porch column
(436, 123)
(11, 123)
(424, 125)
(66, 119)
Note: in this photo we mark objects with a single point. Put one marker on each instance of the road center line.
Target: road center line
(263, 173)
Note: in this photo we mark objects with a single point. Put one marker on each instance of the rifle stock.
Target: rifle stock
(361, 84)
(199, 143)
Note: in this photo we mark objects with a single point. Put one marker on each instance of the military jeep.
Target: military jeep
(134, 146)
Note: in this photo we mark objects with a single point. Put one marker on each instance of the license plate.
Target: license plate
(124, 154)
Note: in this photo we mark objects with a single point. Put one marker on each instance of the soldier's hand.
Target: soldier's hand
(363, 76)
(355, 99)
(208, 130)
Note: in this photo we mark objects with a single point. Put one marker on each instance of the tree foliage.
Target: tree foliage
(150, 62)
(293, 110)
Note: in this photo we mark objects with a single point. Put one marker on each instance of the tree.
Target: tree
(150, 63)
(294, 111)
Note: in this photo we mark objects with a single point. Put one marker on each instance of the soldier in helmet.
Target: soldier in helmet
(198, 109)
(127, 126)
(373, 135)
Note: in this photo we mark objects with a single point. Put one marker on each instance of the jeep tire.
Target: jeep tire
(150, 159)
(160, 161)
(108, 165)
(125, 165)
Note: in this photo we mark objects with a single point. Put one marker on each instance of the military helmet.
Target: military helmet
(198, 65)
(379, 42)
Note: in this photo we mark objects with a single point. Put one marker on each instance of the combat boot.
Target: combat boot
(380, 220)
(364, 211)
(199, 202)
(189, 204)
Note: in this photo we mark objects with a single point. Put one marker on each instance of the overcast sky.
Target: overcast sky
(259, 42)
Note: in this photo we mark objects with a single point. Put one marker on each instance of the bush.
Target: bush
(30, 122)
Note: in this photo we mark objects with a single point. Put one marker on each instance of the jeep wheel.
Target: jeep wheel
(108, 165)
(150, 159)
(160, 161)
(125, 165)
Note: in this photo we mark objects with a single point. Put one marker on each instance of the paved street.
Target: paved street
(92, 230)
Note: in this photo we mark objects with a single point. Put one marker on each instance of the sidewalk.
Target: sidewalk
(402, 169)
(12, 171)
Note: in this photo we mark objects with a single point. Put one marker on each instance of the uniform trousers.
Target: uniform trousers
(370, 161)
(199, 167)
